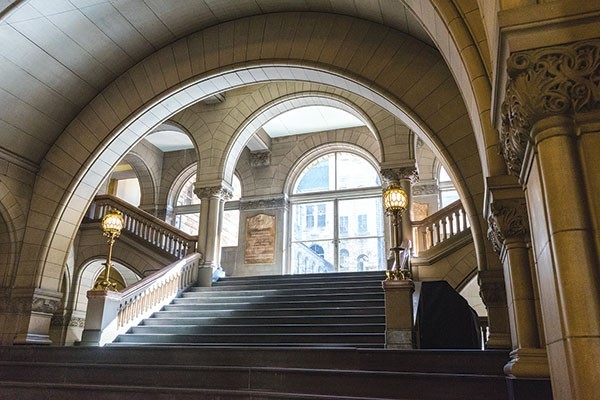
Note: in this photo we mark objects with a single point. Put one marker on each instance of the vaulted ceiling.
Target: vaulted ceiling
(55, 56)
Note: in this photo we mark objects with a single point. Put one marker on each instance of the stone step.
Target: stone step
(267, 320)
(318, 276)
(300, 280)
(290, 285)
(250, 338)
(201, 298)
(261, 291)
(216, 305)
(311, 381)
(468, 362)
(255, 329)
(350, 310)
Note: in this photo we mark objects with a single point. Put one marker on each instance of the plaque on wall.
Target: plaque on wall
(260, 239)
(420, 211)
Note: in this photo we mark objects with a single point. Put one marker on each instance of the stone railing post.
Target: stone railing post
(101, 317)
(399, 313)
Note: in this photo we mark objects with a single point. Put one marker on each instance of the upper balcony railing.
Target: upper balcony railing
(145, 226)
(440, 226)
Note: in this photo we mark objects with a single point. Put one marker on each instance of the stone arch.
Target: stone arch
(12, 228)
(145, 177)
(193, 68)
(280, 105)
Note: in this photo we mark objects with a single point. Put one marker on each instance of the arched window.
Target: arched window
(337, 215)
(448, 193)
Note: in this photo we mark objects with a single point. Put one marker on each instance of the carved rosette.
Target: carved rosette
(403, 173)
(77, 322)
(507, 220)
(260, 159)
(220, 192)
(561, 80)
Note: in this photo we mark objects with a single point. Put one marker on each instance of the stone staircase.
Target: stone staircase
(325, 310)
(287, 337)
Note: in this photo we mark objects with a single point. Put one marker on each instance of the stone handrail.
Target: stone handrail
(440, 226)
(144, 226)
(111, 313)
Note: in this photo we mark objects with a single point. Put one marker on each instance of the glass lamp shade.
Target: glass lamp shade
(112, 223)
(394, 199)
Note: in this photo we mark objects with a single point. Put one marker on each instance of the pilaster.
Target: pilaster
(552, 96)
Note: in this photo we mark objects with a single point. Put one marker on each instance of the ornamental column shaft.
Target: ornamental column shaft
(509, 232)
(550, 126)
(212, 201)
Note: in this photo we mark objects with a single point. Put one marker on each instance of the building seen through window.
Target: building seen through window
(337, 218)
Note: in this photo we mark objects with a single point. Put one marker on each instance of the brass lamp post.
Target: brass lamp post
(112, 224)
(395, 201)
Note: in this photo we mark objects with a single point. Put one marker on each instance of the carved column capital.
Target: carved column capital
(219, 192)
(401, 173)
(259, 159)
(559, 80)
(507, 220)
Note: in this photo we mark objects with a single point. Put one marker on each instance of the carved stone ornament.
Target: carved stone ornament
(77, 322)
(220, 192)
(260, 159)
(507, 220)
(561, 80)
(398, 174)
(420, 190)
(45, 305)
(493, 293)
(264, 204)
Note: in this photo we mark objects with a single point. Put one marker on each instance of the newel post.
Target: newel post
(101, 317)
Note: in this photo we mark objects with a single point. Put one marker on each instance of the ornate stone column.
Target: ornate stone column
(550, 127)
(509, 232)
(211, 220)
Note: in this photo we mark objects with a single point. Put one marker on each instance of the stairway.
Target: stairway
(316, 310)
(257, 338)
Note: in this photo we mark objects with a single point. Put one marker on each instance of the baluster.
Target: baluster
(451, 222)
(465, 220)
(438, 233)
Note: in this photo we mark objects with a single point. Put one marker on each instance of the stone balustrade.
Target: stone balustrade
(110, 313)
(145, 226)
(440, 226)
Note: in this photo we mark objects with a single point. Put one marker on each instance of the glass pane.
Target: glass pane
(188, 223)
(362, 255)
(231, 223)
(186, 194)
(312, 257)
(360, 217)
(318, 176)
(313, 221)
(448, 197)
(355, 172)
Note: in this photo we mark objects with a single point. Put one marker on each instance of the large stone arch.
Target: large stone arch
(403, 78)
(285, 103)
(12, 228)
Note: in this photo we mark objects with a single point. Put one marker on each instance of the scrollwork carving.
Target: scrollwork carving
(561, 80)
(396, 174)
(507, 220)
(220, 192)
(260, 159)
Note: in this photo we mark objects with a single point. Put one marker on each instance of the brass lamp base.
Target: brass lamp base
(106, 285)
(397, 275)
